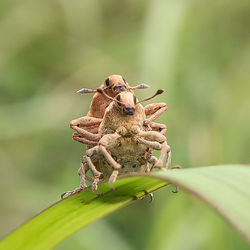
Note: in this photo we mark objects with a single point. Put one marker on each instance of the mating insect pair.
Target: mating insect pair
(119, 137)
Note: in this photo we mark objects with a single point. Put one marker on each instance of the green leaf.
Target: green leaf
(225, 188)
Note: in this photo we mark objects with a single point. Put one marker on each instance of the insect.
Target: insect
(125, 146)
(112, 86)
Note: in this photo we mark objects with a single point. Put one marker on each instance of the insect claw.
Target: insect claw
(151, 196)
(176, 167)
(111, 185)
(97, 193)
(94, 189)
(112, 179)
(63, 194)
(176, 190)
(68, 193)
(176, 187)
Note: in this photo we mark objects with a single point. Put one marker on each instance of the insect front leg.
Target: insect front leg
(85, 167)
(155, 110)
(165, 150)
(162, 128)
(157, 163)
(152, 160)
(152, 136)
(176, 187)
(96, 174)
(113, 163)
(81, 172)
(88, 135)
(91, 153)
(169, 154)
(83, 140)
(88, 122)
(110, 141)
(151, 144)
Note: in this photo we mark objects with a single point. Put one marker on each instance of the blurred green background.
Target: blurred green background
(198, 51)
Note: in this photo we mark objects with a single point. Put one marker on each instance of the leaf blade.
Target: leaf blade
(234, 209)
(66, 217)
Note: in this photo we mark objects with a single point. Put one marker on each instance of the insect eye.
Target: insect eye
(118, 98)
(134, 99)
(107, 82)
(124, 80)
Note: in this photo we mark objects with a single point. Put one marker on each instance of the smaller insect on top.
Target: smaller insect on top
(114, 85)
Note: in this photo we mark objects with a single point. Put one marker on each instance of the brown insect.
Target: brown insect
(125, 146)
(112, 86)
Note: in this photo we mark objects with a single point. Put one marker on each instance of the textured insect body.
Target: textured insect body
(123, 153)
(125, 145)
(123, 142)
(118, 115)
(122, 139)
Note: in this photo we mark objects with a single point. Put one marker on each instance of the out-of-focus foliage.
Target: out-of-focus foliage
(198, 51)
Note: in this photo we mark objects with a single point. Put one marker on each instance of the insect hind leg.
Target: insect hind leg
(81, 171)
(96, 174)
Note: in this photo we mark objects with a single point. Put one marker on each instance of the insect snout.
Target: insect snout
(128, 110)
(119, 88)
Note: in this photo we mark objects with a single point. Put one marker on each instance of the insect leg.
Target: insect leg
(113, 163)
(88, 122)
(79, 138)
(152, 136)
(154, 109)
(176, 187)
(152, 160)
(84, 169)
(165, 150)
(111, 141)
(109, 158)
(81, 172)
(84, 133)
(113, 178)
(96, 174)
(84, 161)
(162, 128)
(91, 153)
(169, 157)
(152, 144)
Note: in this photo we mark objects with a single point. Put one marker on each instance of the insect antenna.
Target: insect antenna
(85, 90)
(140, 86)
(158, 92)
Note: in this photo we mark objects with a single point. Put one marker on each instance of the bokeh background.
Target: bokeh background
(198, 51)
